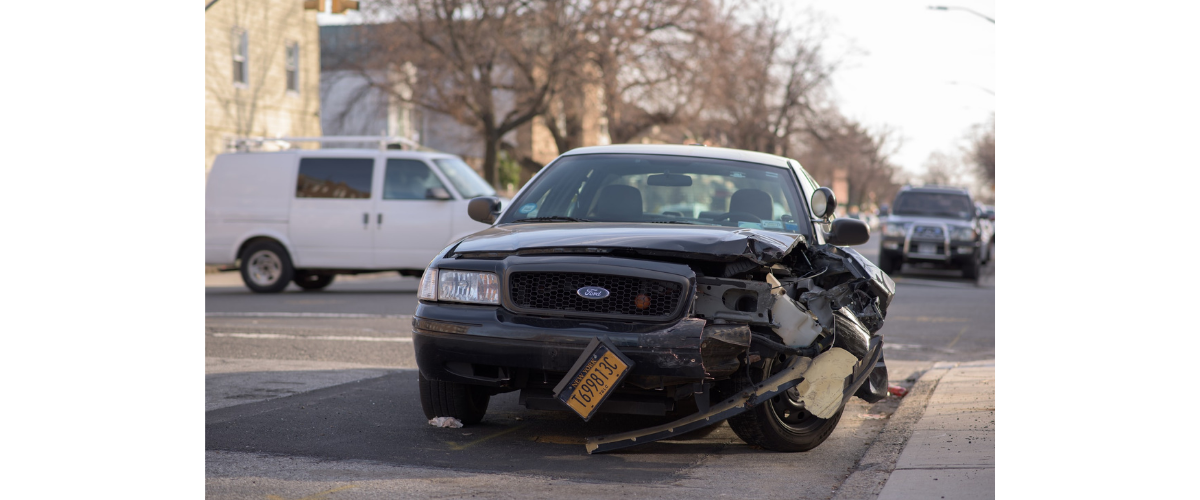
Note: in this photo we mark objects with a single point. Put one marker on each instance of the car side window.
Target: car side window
(334, 178)
(409, 180)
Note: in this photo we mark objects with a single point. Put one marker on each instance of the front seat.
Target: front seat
(755, 202)
(618, 202)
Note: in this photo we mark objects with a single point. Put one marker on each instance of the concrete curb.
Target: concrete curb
(877, 464)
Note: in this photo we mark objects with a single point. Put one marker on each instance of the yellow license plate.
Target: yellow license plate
(597, 372)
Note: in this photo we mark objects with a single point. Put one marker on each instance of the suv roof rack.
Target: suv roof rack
(247, 143)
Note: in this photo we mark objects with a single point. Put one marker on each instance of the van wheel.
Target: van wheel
(266, 267)
(312, 281)
(467, 403)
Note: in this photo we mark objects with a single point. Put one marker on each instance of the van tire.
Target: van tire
(266, 267)
(312, 281)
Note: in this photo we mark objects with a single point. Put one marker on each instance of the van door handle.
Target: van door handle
(379, 219)
(366, 219)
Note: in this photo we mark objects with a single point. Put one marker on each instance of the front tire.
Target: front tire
(266, 267)
(467, 403)
(780, 424)
(888, 263)
(970, 270)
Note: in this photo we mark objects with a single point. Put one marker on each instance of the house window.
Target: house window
(292, 67)
(241, 52)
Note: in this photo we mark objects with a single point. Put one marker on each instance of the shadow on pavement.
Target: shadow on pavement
(381, 420)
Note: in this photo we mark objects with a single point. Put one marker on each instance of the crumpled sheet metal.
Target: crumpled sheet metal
(777, 384)
(821, 389)
(860, 267)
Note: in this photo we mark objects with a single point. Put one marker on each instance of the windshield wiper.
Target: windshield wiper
(678, 222)
(552, 218)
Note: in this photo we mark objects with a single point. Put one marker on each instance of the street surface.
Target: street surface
(311, 393)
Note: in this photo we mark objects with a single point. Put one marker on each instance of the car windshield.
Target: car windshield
(934, 204)
(465, 180)
(662, 189)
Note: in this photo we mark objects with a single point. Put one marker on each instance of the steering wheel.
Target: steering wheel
(739, 217)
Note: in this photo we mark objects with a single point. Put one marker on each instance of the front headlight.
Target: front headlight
(468, 286)
(962, 233)
(895, 230)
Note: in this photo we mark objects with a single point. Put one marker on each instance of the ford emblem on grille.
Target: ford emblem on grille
(592, 292)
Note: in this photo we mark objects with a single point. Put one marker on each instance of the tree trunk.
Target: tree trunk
(490, 157)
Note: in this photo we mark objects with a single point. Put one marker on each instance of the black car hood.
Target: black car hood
(715, 243)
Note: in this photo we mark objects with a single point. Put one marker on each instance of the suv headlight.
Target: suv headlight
(895, 230)
(962, 233)
(467, 286)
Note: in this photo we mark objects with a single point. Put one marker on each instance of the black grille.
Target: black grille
(928, 232)
(558, 292)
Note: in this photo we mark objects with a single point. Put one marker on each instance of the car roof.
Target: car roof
(398, 153)
(933, 189)
(682, 150)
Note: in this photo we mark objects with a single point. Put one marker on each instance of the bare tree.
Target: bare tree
(489, 64)
(864, 155)
(943, 170)
(764, 81)
(982, 152)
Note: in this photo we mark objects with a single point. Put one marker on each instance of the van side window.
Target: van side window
(409, 180)
(334, 178)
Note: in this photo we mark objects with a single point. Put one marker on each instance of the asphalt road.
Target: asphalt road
(315, 393)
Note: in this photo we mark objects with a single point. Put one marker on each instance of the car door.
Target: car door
(411, 224)
(329, 223)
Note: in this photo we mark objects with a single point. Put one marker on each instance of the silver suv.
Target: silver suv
(940, 226)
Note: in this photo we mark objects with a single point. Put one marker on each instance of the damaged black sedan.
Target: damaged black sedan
(699, 282)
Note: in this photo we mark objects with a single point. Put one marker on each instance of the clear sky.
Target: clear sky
(929, 74)
(918, 70)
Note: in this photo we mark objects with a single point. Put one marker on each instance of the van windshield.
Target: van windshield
(662, 189)
(465, 180)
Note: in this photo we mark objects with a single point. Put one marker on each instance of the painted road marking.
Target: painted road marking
(277, 336)
(299, 315)
(959, 336)
(929, 319)
(457, 447)
(933, 283)
(319, 496)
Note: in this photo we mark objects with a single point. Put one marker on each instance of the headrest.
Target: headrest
(619, 202)
(752, 201)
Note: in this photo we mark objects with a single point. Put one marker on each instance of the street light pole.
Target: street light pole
(943, 7)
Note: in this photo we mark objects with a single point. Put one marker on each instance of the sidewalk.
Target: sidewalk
(952, 451)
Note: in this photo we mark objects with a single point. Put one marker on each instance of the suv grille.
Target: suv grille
(557, 292)
(930, 232)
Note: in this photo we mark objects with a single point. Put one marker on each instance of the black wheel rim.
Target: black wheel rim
(787, 410)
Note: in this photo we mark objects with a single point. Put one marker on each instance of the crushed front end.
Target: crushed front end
(715, 322)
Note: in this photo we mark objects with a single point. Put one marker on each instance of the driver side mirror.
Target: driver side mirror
(846, 232)
(823, 203)
(484, 209)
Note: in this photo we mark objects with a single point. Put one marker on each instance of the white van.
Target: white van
(305, 216)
